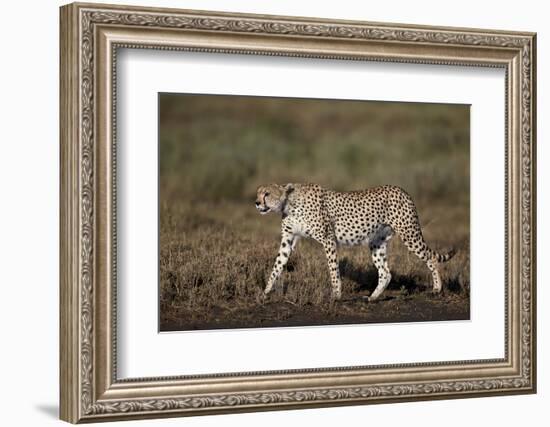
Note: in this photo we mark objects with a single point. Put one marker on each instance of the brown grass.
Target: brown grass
(215, 267)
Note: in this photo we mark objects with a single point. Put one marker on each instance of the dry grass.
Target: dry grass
(216, 251)
(216, 267)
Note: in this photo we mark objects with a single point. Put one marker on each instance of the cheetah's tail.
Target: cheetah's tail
(446, 257)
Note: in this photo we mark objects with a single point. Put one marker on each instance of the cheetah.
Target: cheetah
(369, 217)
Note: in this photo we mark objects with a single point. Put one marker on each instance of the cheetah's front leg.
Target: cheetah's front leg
(288, 241)
(330, 251)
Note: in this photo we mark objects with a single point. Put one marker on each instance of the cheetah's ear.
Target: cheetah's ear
(288, 188)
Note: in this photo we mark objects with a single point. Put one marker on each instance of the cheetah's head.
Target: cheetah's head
(272, 197)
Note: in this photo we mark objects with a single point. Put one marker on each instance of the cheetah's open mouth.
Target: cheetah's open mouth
(263, 210)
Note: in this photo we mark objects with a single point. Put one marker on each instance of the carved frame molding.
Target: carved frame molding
(90, 36)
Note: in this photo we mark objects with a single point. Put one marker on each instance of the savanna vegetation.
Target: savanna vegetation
(216, 251)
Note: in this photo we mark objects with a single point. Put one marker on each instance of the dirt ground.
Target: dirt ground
(393, 307)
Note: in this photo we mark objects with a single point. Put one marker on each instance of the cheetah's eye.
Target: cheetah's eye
(266, 194)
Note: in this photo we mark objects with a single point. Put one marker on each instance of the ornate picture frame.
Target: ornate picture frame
(90, 37)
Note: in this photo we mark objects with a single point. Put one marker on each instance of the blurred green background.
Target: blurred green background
(221, 147)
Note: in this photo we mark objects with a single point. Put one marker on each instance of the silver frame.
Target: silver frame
(90, 37)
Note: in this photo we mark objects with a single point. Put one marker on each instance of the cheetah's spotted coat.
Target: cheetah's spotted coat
(369, 217)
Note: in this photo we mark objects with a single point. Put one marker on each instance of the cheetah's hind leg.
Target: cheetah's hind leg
(414, 241)
(436, 278)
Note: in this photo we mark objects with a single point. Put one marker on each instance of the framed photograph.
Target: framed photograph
(265, 212)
